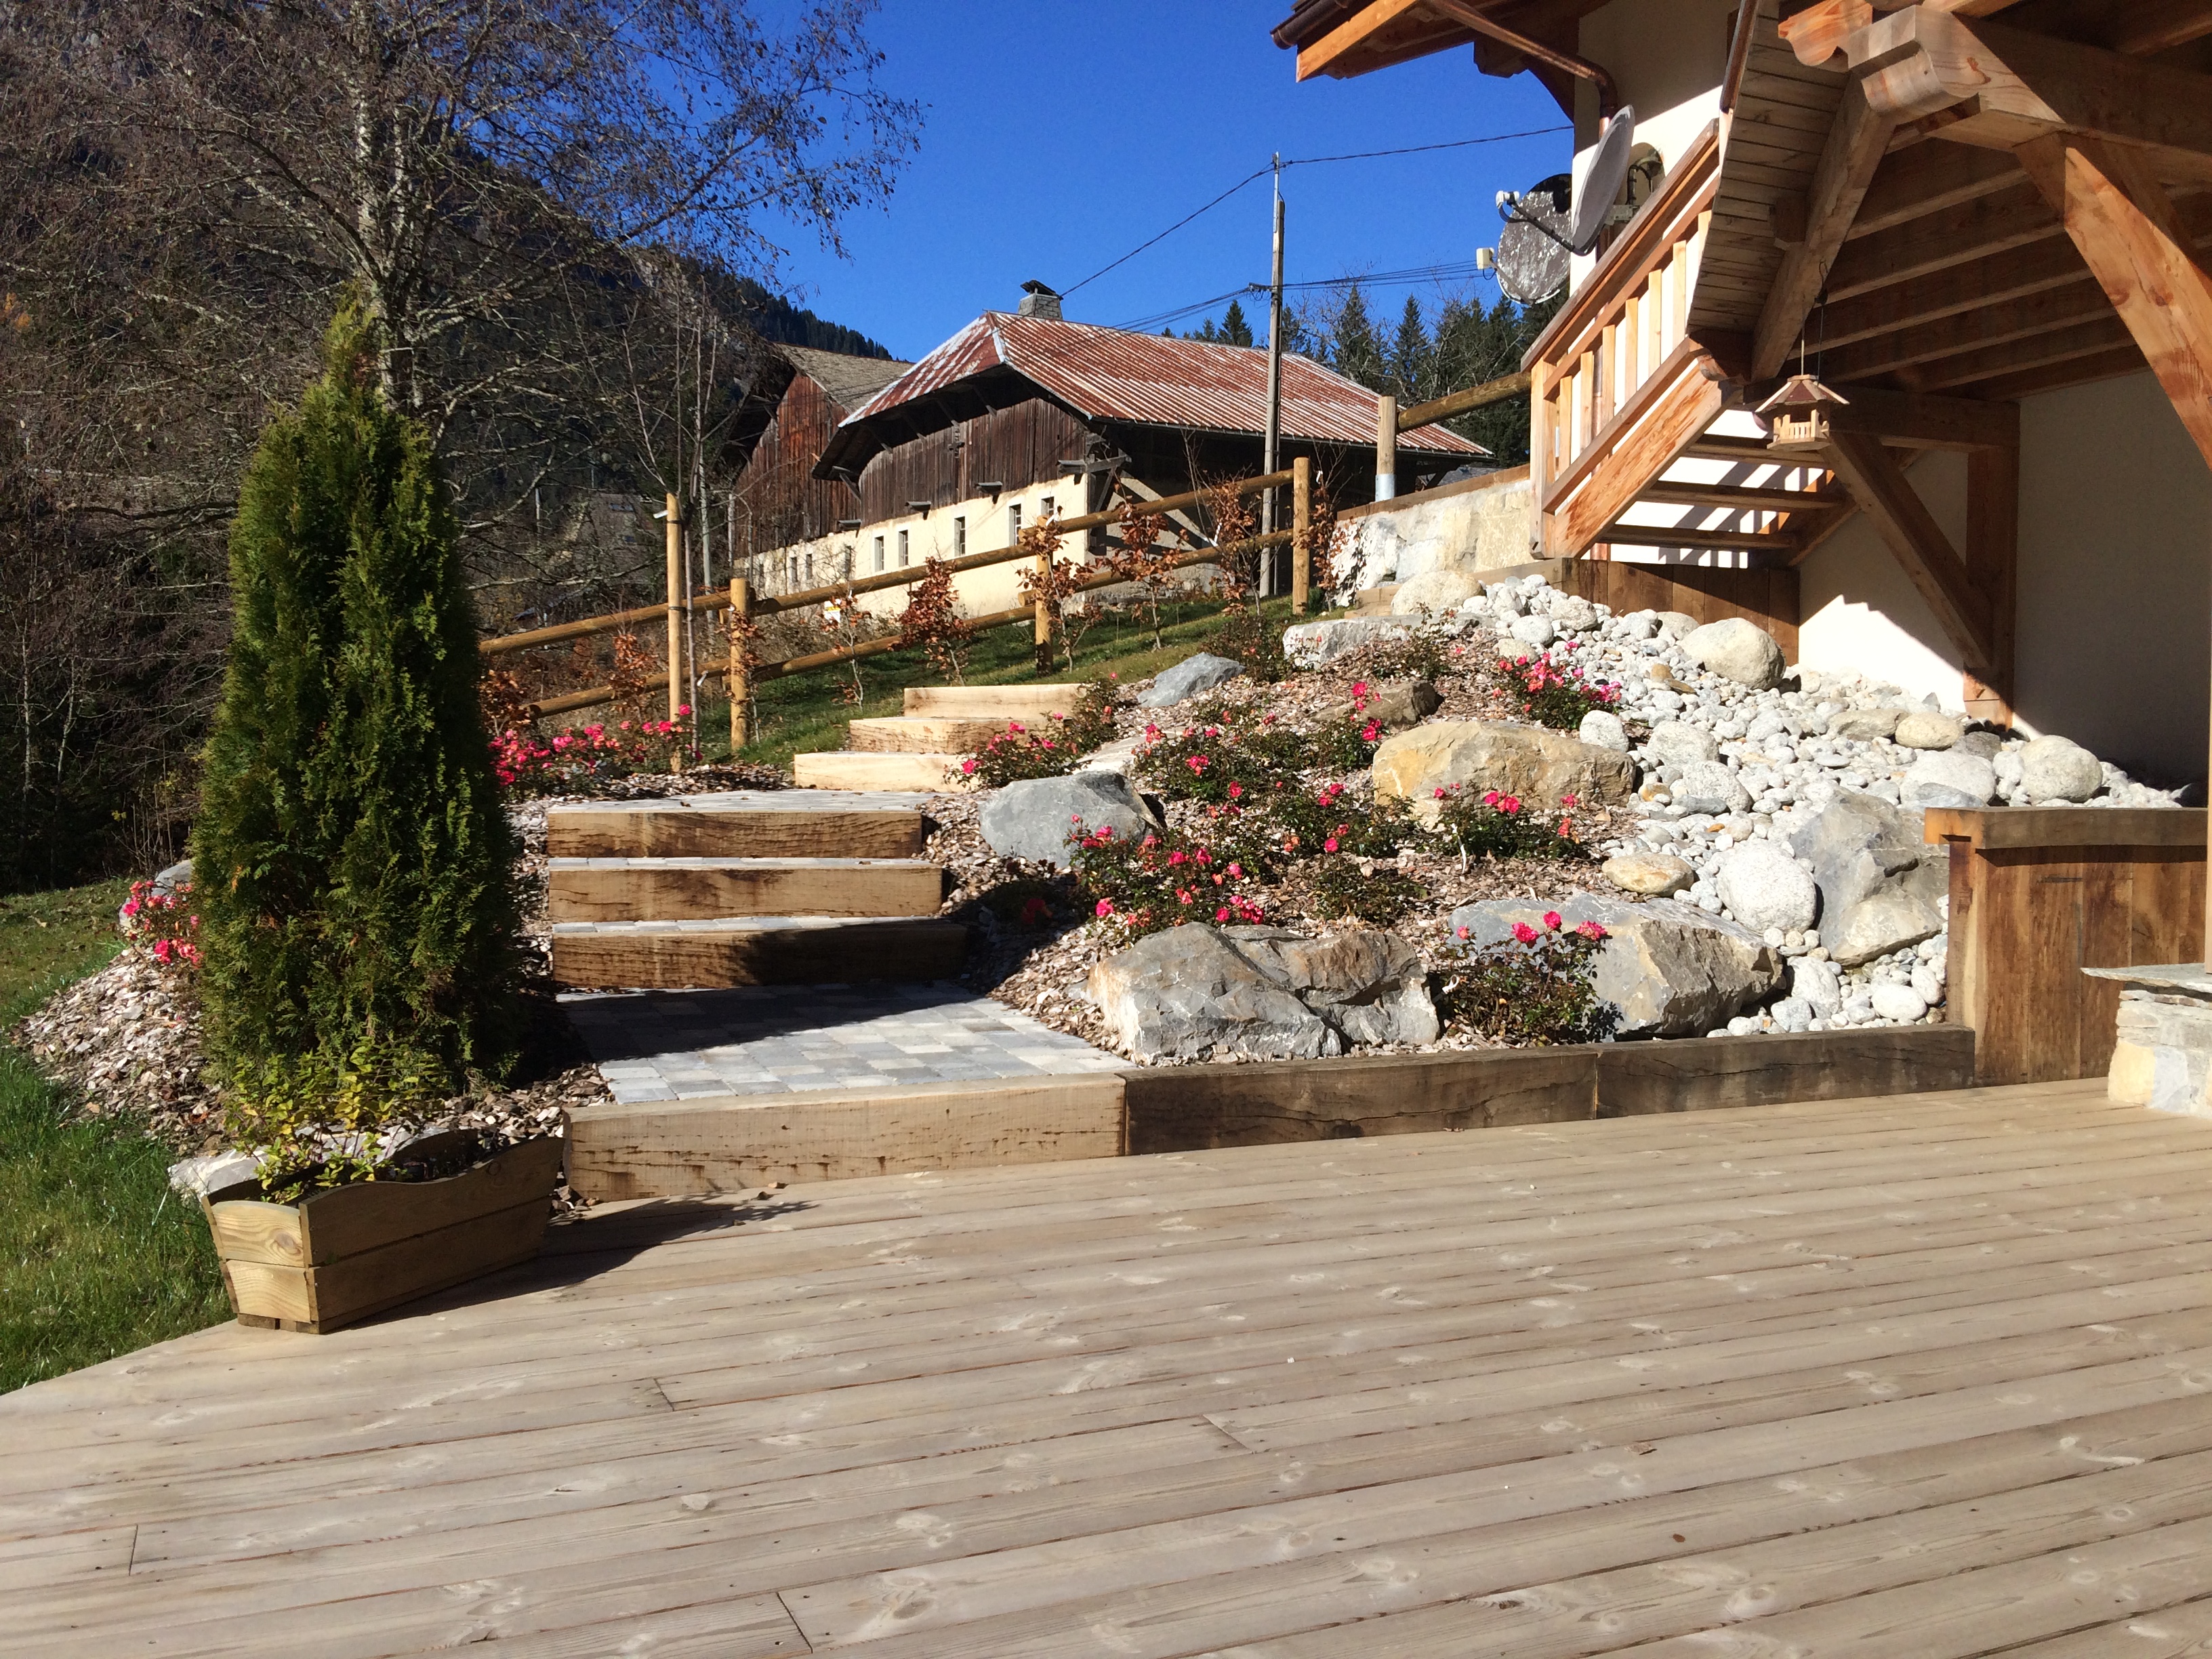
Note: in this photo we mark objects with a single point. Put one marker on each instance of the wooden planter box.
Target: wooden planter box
(341, 1256)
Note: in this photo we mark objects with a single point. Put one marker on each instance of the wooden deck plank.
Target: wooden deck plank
(1923, 1375)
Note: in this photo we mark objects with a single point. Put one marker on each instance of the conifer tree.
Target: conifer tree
(1356, 349)
(1235, 330)
(1412, 357)
(352, 860)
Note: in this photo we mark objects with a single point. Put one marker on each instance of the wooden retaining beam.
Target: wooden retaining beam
(726, 1142)
(2038, 894)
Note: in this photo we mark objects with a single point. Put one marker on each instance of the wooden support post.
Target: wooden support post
(740, 682)
(1386, 448)
(675, 539)
(1992, 566)
(1878, 485)
(1301, 534)
(2132, 239)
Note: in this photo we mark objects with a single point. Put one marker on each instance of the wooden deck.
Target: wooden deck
(1926, 1376)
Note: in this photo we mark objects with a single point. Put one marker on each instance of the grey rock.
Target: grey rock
(1947, 778)
(1678, 744)
(1313, 643)
(1433, 590)
(174, 878)
(1764, 888)
(1188, 993)
(1738, 650)
(211, 1172)
(1865, 725)
(1926, 729)
(1395, 705)
(1673, 624)
(1371, 985)
(1659, 874)
(1819, 985)
(1602, 729)
(1792, 1014)
(1667, 968)
(1928, 984)
(1900, 1003)
(1880, 885)
(1534, 632)
(1190, 678)
(1572, 613)
(1033, 819)
(1709, 787)
(2058, 769)
(1539, 765)
(1986, 745)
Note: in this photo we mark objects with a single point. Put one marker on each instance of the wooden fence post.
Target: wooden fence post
(1301, 534)
(675, 606)
(739, 682)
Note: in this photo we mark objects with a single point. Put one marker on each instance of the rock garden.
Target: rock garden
(1499, 815)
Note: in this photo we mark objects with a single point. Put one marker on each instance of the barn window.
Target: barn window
(879, 552)
(1013, 523)
(960, 537)
(903, 550)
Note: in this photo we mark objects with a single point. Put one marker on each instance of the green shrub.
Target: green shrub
(1020, 752)
(1494, 825)
(1143, 884)
(1344, 886)
(352, 858)
(1533, 990)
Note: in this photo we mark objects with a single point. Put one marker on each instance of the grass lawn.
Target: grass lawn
(808, 712)
(97, 1256)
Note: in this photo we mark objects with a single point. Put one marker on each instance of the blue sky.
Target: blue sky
(1059, 136)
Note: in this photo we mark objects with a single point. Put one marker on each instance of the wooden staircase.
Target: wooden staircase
(922, 748)
(745, 889)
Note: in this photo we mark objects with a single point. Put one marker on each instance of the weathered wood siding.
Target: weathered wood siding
(780, 501)
(1016, 447)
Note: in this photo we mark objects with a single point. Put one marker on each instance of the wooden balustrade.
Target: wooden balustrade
(1617, 367)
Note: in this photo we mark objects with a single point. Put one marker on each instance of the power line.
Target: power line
(1412, 277)
(1308, 161)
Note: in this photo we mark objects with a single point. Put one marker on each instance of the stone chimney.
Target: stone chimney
(1038, 301)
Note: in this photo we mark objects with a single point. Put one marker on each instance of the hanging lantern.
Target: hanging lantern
(1796, 417)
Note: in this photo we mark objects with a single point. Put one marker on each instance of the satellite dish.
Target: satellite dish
(1598, 176)
(1532, 248)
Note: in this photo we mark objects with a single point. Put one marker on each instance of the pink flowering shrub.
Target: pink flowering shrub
(164, 923)
(1022, 751)
(1533, 989)
(1495, 825)
(528, 764)
(1552, 691)
(1143, 885)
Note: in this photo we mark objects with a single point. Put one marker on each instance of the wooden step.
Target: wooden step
(1742, 498)
(706, 889)
(927, 734)
(1738, 541)
(756, 825)
(756, 950)
(995, 703)
(858, 769)
(733, 1143)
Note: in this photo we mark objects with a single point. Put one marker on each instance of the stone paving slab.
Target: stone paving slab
(783, 1039)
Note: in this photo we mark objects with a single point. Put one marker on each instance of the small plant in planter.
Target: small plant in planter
(353, 870)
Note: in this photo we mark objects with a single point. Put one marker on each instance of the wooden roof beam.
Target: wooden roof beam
(2134, 26)
(1928, 178)
(2133, 237)
(1956, 236)
(2041, 350)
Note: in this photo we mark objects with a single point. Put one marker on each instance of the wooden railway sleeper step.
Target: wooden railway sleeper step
(712, 889)
(782, 823)
(756, 950)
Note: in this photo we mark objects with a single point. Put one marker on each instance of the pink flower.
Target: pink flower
(1490, 797)
(1016, 726)
(1237, 870)
(1552, 919)
(1374, 731)
(1467, 932)
(1509, 803)
(1222, 915)
(1590, 930)
(1105, 907)
(1235, 790)
(1567, 800)
(1524, 933)
(968, 765)
(1176, 858)
(1329, 846)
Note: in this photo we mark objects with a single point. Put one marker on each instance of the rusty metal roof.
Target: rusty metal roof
(1113, 374)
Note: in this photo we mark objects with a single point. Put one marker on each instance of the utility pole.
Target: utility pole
(1269, 460)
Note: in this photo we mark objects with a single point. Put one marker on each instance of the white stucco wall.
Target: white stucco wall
(2115, 612)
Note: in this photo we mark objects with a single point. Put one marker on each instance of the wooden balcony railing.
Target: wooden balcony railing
(1612, 375)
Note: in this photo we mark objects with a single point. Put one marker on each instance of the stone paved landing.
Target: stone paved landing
(765, 1040)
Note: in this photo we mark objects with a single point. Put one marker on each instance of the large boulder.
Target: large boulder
(1539, 765)
(1190, 678)
(1880, 885)
(1188, 993)
(1764, 887)
(2058, 769)
(1196, 993)
(1666, 969)
(1603, 729)
(1034, 819)
(1946, 777)
(1531, 632)
(1437, 592)
(1371, 985)
(1738, 650)
(1311, 644)
(1709, 787)
(1659, 874)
